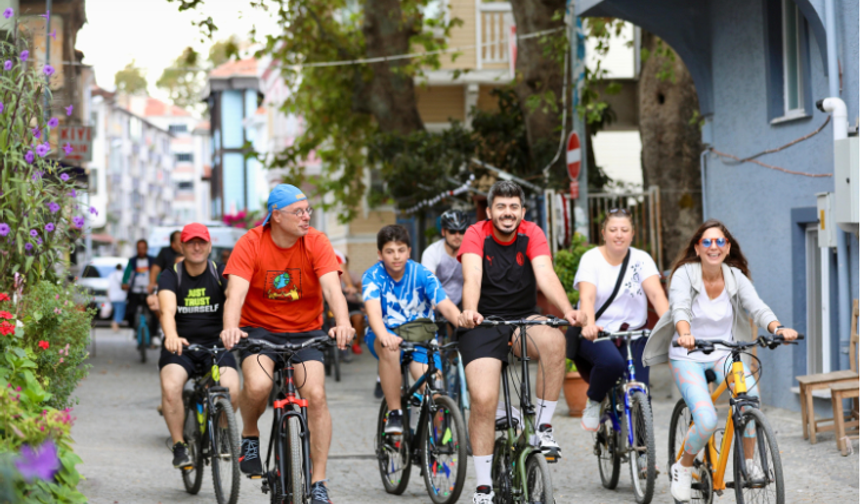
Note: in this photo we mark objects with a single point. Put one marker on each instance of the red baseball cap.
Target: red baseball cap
(195, 230)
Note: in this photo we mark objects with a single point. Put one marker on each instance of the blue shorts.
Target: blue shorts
(419, 355)
(118, 311)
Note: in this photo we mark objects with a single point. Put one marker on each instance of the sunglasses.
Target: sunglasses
(622, 211)
(707, 242)
(456, 231)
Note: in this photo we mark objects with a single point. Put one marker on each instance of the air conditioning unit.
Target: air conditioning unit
(846, 210)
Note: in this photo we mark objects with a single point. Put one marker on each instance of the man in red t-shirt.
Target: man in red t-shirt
(505, 260)
(279, 273)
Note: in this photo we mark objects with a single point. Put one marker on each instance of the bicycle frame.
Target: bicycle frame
(207, 390)
(415, 396)
(629, 385)
(283, 410)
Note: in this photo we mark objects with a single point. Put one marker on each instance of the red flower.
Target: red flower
(4, 296)
(6, 328)
(44, 345)
(5, 315)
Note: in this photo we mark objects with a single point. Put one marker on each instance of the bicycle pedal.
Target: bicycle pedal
(255, 476)
(551, 459)
(187, 468)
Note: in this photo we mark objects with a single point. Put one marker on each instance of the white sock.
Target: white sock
(483, 470)
(545, 411)
(413, 418)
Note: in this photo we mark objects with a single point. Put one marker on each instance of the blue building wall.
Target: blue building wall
(754, 202)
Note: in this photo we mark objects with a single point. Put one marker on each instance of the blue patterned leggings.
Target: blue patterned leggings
(691, 381)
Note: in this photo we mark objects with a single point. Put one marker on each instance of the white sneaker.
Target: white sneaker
(591, 416)
(682, 481)
(547, 443)
(483, 498)
(754, 471)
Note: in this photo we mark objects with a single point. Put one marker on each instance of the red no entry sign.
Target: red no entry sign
(574, 156)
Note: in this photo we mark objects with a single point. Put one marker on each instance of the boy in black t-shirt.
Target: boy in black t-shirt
(191, 295)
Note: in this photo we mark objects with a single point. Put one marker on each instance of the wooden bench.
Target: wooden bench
(839, 392)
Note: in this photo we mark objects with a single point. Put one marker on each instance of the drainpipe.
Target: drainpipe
(839, 112)
(702, 162)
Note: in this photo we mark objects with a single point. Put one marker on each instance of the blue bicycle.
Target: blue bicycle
(141, 318)
(626, 431)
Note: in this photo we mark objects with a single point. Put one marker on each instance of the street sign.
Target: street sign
(574, 156)
(574, 189)
(81, 140)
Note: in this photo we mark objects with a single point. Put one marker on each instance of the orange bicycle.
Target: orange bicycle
(709, 468)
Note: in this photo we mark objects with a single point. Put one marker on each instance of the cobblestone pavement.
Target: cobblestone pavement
(124, 444)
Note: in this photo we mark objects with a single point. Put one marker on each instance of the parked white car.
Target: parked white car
(94, 278)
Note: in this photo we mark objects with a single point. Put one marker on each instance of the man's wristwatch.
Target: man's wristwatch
(777, 329)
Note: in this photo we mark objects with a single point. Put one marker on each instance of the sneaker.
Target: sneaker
(483, 495)
(394, 425)
(319, 493)
(356, 349)
(591, 416)
(547, 443)
(377, 392)
(181, 459)
(249, 460)
(754, 472)
(682, 482)
(345, 356)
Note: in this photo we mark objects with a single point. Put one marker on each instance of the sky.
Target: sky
(154, 33)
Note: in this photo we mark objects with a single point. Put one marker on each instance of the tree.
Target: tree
(223, 51)
(671, 140)
(130, 79)
(184, 80)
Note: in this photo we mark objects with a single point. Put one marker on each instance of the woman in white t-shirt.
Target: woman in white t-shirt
(603, 362)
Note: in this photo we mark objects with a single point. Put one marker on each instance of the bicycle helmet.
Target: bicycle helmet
(454, 220)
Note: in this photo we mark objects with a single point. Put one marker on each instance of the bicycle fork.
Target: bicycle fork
(283, 410)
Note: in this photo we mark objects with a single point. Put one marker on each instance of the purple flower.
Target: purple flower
(54, 34)
(68, 149)
(38, 241)
(73, 194)
(37, 133)
(48, 70)
(78, 221)
(29, 157)
(34, 233)
(36, 176)
(49, 227)
(94, 211)
(28, 246)
(2, 107)
(65, 178)
(24, 55)
(8, 13)
(53, 207)
(69, 110)
(7, 65)
(46, 15)
(53, 122)
(43, 149)
(4, 229)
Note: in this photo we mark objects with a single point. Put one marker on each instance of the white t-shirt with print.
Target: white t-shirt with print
(630, 304)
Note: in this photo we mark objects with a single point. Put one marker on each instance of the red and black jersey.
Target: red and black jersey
(508, 285)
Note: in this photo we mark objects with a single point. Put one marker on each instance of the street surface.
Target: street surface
(124, 443)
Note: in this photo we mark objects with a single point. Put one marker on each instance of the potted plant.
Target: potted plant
(575, 388)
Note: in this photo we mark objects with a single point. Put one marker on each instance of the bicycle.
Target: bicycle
(287, 476)
(709, 471)
(211, 432)
(440, 450)
(520, 471)
(626, 430)
(141, 317)
(331, 355)
(454, 375)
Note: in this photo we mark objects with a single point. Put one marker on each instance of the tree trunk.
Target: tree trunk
(538, 74)
(671, 145)
(390, 94)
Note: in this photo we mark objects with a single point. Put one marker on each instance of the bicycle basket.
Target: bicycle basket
(422, 329)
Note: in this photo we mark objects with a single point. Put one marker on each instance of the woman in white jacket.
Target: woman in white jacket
(712, 264)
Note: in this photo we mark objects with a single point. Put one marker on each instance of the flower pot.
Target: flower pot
(575, 388)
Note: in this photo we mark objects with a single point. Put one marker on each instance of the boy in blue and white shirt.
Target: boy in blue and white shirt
(397, 290)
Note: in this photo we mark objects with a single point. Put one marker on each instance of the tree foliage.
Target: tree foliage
(130, 79)
(185, 80)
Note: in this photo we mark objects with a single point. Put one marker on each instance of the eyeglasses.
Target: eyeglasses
(298, 213)
(707, 242)
(622, 211)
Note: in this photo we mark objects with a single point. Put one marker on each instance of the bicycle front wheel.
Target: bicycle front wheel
(606, 449)
(336, 364)
(192, 478)
(679, 425)
(443, 452)
(142, 337)
(295, 470)
(757, 464)
(643, 463)
(225, 453)
(392, 454)
(538, 480)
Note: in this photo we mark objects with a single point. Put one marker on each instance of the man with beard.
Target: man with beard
(505, 260)
(441, 257)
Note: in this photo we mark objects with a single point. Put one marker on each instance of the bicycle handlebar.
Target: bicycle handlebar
(213, 350)
(255, 345)
(632, 335)
(550, 321)
(411, 346)
(772, 342)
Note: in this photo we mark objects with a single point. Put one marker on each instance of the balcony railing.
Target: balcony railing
(494, 28)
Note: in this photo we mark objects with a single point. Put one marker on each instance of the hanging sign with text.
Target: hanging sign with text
(80, 139)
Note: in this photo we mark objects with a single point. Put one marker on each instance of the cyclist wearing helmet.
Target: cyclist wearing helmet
(441, 257)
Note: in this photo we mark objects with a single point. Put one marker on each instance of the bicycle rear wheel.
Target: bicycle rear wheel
(225, 453)
(443, 452)
(763, 481)
(393, 454)
(606, 449)
(538, 480)
(643, 463)
(192, 478)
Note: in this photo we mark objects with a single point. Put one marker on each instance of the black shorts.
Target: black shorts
(195, 363)
(482, 342)
(306, 355)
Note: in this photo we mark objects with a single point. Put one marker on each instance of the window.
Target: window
(185, 157)
(792, 24)
(178, 128)
(94, 181)
(185, 186)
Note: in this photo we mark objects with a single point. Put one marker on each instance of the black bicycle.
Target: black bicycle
(331, 355)
(437, 444)
(211, 431)
(287, 474)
